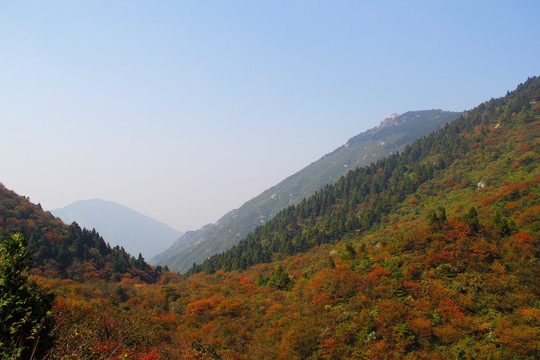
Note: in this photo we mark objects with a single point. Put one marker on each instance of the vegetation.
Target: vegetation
(435, 256)
(67, 251)
(24, 306)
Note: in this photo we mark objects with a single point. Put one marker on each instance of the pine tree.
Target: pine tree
(471, 218)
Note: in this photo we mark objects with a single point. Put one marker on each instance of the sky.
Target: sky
(184, 110)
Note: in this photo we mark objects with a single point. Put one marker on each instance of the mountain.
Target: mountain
(120, 225)
(432, 253)
(362, 200)
(68, 251)
(390, 136)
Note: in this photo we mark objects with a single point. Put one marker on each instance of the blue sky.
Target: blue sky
(184, 110)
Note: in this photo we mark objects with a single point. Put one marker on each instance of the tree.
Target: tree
(25, 330)
(438, 218)
(280, 279)
(472, 220)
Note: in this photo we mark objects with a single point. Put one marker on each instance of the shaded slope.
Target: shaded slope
(392, 135)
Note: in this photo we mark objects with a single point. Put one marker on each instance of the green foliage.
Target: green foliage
(504, 226)
(25, 330)
(471, 219)
(279, 279)
(438, 218)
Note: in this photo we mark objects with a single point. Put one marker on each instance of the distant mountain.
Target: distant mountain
(389, 137)
(120, 225)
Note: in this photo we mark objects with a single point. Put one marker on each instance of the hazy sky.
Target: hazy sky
(184, 110)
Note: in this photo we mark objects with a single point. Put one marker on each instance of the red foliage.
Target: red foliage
(321, 300)
(244, 280)
(376, 274)
(54, 237)
(329, 349)
(523, 240)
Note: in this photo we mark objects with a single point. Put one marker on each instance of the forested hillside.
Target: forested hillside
(389, 137)
(67, 251)
(361, 201)
(431, 253)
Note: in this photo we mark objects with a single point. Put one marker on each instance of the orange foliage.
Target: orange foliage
(447, 334)
(449, 310)
(422, 329)
(521, 339)
(378, 350)
(229, 307)
(200, 306)
(412, 287)
(389, 312)
(529, 216)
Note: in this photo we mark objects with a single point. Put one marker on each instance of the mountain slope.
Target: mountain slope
(390, 136)
(120, 225)
(363, 199)
(449, 270)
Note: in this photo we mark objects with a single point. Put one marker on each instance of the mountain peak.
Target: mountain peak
(389, 121)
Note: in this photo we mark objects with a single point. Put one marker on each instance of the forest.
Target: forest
(431, 253)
